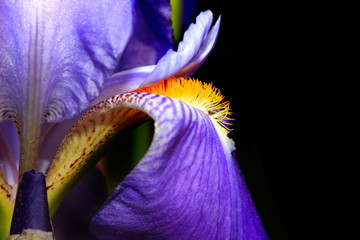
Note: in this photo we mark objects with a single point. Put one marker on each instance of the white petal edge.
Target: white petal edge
(192, 51)
(203, 52)
(173, 62)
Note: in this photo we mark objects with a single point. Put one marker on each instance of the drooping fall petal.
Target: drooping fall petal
(187, 185)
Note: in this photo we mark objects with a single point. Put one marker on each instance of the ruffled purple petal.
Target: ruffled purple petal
(193, 50)
(153, 34)
(204, 51)
(187, 186)
(55, 55)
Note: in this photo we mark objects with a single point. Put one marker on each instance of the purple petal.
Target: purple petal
(57, 54)
(192, 51)
(187, 186)
(9, 152)
(125, 81)
(153, 34)
(203, 52)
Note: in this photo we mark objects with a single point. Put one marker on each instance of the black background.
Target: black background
(262, 64)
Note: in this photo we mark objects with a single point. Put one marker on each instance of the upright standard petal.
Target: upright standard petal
(58, 53)
(55, 56)
(187, 186)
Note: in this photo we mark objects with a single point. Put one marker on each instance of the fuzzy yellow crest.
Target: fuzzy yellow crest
(203, 96)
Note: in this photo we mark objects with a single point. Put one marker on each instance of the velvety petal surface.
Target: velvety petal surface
(187, 186)
(55, 55)
(153, 34)
(196, 46)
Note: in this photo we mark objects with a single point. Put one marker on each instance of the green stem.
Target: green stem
(177, 18)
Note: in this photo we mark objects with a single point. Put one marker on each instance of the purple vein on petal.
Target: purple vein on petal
(187, 186)
(52, 68)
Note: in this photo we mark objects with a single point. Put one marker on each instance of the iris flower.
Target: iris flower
(75, 73)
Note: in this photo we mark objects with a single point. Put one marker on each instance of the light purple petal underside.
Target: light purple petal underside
(196, 46)
(124, 81)
(187, 186)
(192, 51)
(55, 55)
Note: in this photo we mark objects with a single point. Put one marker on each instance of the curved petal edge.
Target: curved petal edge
(187, 186)
(196, 46)
(194, 42)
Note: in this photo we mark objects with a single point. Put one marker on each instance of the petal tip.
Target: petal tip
(197, 43)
